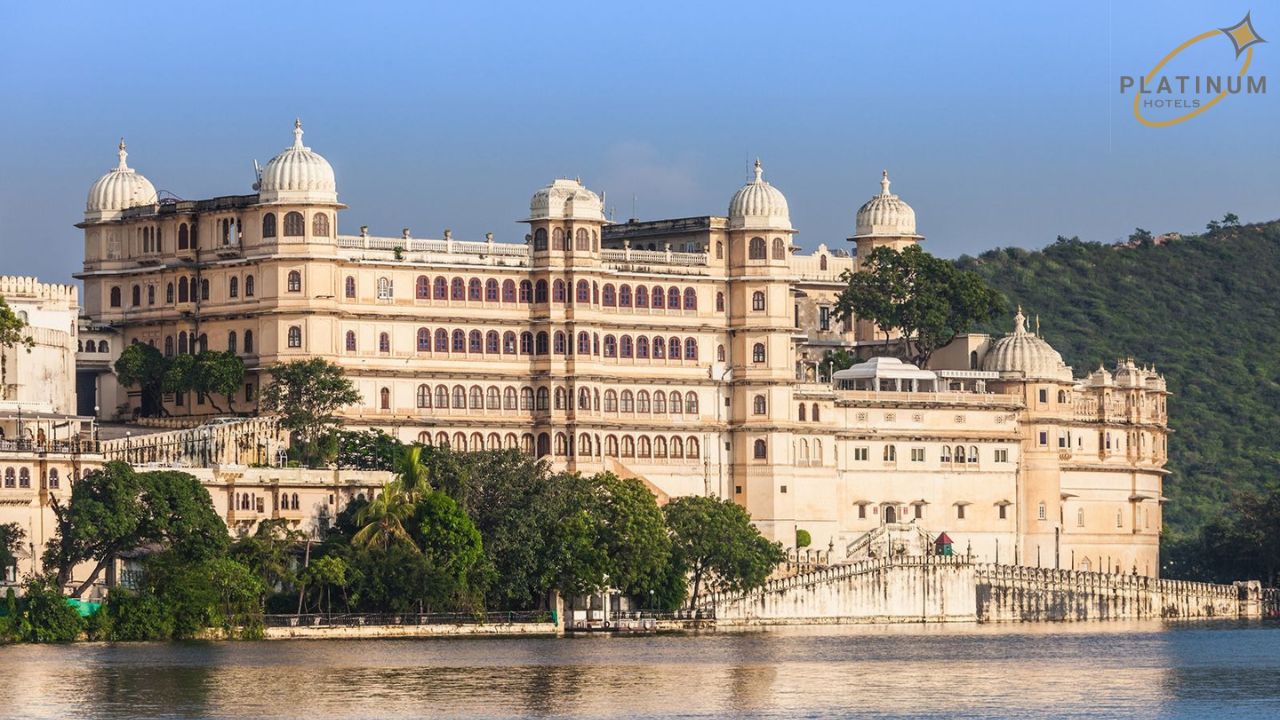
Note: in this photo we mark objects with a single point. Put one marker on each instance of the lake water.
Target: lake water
(1083, 670)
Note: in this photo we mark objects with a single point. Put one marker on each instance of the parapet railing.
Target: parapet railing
(68, 447)
(833, 573)
(394, 619)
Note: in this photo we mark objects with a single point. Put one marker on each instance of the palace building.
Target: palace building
(686, 352)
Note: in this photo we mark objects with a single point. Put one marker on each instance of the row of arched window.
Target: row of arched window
(813, 415)
(477, 342)
(583, 241)
(583, 292)
(22, 478)
(589, 445)
(185, 290)
(295, 225)
(442, 397)
(757, 249)
(89, 346)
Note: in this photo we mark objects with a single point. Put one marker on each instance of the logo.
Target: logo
(1161, 99)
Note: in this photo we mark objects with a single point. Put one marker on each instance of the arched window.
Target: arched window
(659, 347)
(248, 341)
(459, 344)
(719, 250)
(539, 240)
(442, 340)
(610, 401)
(757, 250)
(233, 287)
(691, 448)
(457, 289)
(611, 445)
(584, 399)
(803, 412)
(508, 343)
(491, 342)
(642, 296)
(168, 346)
(102, 346)
(558, 291)
(492, 399)
(973, 453)
(624, 296)
(690, 349)
(476, 397)
(475, 343)
(526, 343)
(384, 342)
(674, 349)
(628, 446)
(24, 478)
(610, 346)
(320, 225)
(720, 353)
(424, 396)
(761, 449)
(644, 448)
(424, 340)
(509, 401)
(491, 290)
(657, 298)
(53, 478)
(673, 299)
(759, 406)
(184, 294)
(719, 302)
(151, 294)
(584, 292)
(295, 336)
(544, 399)
(204, 288)
(625, 347)
(442, 397)
(822, 262)
(558, 345)
(540, 292)
(248, 286)
(584, 344)
(422, 288)
(757, 353)
(168, 293)
(508, 291)
(642, 347)
(184, 239)
(294, 225)
(475, 290)
(182, 343)
(583, 240)
(779, 249)
(946, 454)
(459, 397)
(440, 289)
(557, 239)
(628, 401)
(386, 290)
(757, 301)
(349, 286)
(384, 398)
(295, 281)
(231, 341)
(526, 291)
(610, 296)
(814, 414)
(137, 295)
(8, 477)
(560, 398)
(973, 360)
(960, 458)
(268, 229)
(526, 398)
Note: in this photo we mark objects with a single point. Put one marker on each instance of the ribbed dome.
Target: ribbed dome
(298, 175)
(759, 204)
(120, 189)
(1024, 354)
(565, 199)
(885, 215)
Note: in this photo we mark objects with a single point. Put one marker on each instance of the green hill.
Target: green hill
(1205, 310)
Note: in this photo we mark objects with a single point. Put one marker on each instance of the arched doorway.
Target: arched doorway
(890, 514)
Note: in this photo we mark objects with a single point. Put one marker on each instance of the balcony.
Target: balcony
(56, 447)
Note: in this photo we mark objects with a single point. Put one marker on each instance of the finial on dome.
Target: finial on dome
(1037, 323)
(884, 182)
(1019, 323)
(123, 154)
(759, 170)
(297, 132)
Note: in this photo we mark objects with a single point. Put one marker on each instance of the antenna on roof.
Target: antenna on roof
(257, 175)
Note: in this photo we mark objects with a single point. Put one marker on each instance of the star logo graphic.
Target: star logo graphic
(1242, 35)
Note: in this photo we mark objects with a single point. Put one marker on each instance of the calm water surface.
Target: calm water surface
(1085, 670)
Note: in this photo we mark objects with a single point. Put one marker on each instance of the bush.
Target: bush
(803, 539)
(49, 618)
(138, 616)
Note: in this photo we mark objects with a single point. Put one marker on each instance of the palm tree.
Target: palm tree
(413, 479)
(383, 519)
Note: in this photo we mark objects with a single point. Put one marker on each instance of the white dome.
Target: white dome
(566, 199)
(1024, 354)
(885, 215)
(759, 204)
(297, 175)
(120, 189)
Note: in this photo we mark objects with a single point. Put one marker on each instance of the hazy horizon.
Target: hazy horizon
(1000, 124)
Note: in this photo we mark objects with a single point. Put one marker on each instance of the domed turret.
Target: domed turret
(1025, 355)
(297, 175)
(120, 189)
(565, 199)
(759, 205)
(885, 215)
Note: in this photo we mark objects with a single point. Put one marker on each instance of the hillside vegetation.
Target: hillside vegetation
(1204, 310)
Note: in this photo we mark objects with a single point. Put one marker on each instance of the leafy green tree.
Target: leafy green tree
(269, 553)
(143, 367)
(115, 509)
(382, 522)
(803, 539)
(11, 536)
(1141, 237)
(12, 334)
(138, 616)
(719, 545)
(839, 359)
(326, 573)
(306, 394)
(926, 299)
(218, 373)
(576, 560)
(455, 565)
(368, 450)
(633, 534)
(413, 477)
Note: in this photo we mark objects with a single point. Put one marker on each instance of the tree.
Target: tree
(142, 366)
(48, 617)
(839, 359)
(633, 534)
(12, 334)
(268, 552)
(11, 535)
(382, 521)
(218, 373)
(1141, 237)
(115, 509)
(803, 539)
(306, 394)
(454, 560)
(926, 299)
(413, 478)
(326, 573)
(719, 545)
(368, 450)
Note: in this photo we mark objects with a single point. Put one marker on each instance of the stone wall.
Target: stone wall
(912, 589)
(948, 589)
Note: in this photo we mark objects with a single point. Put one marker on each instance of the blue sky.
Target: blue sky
(1000, 122)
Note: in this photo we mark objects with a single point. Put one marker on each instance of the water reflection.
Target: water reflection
(1136, 670)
